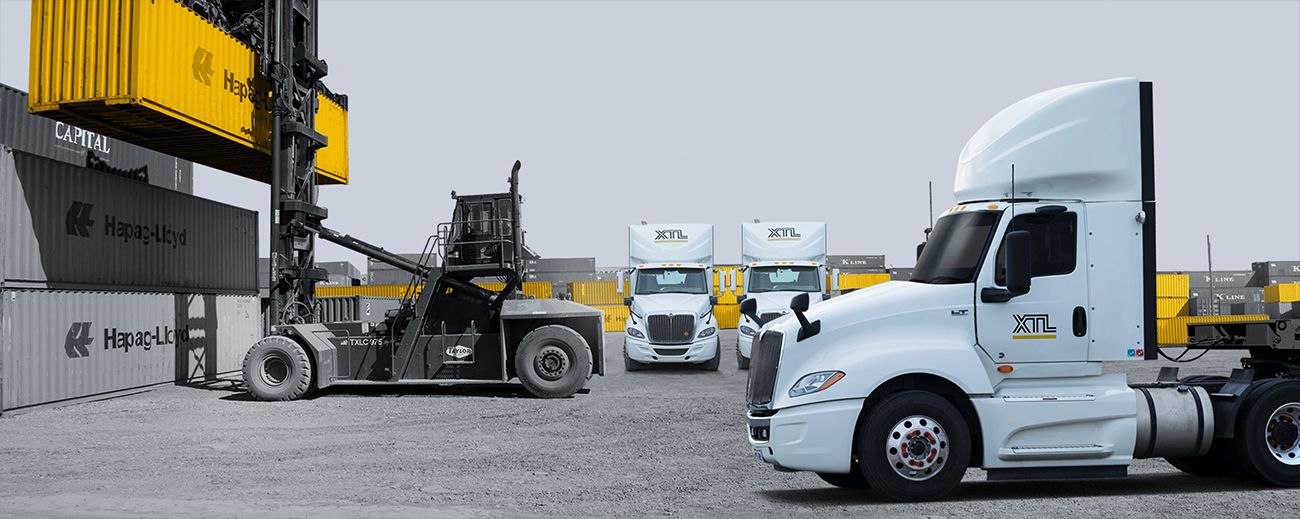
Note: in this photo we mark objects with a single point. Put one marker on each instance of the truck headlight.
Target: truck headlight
(635, 333)
(708, 332)
(745, 330)
(814, 382)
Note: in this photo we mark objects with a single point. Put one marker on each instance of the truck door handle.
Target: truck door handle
(1080, 322)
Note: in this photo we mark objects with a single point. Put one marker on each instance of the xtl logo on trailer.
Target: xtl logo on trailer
(669, 235)
(1033, 326)
(782, 233)
(78, 220)
(77, 344)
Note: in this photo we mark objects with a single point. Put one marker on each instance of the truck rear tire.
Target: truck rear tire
(913, 446)
(853, 480)
(553, 361)
(1267, 443)
(277, 368)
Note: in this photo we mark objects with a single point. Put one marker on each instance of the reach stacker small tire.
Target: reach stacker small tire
(277, 368)
(553, 361)
(1267, 444)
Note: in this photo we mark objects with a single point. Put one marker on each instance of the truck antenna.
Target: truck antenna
(1013, 190)
(1209, 264)
(931, 187)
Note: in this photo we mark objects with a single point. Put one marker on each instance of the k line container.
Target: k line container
(1221, 278)
(61, 345)
(850, 263)
(156, 72)
(67, 227)
(80, 147)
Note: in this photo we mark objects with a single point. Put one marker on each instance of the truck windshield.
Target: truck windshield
(955, 249)
(774, 279)
(671, 281)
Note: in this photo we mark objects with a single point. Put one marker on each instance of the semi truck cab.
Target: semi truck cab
(779, 260)
(991, 355)
(671, 317)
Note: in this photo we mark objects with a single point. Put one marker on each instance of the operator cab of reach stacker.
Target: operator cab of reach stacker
(447, 329)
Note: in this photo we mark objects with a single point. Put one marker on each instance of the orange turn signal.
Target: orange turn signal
(1005, 368)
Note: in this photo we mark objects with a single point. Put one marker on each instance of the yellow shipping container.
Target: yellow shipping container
(597, 293)
(366, 290)
(721, 286)
(533, 289)
(857, 281)
(1172, 285)
(1173, 332)
(1169, 307)
(1288, 293)
(728, 316)
(615, 316)
(153, 73)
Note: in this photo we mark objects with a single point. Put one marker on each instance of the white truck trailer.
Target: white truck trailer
(779, 260)
(991, 356)
(671, 318)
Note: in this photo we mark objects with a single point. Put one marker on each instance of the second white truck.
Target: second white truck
(779, 260)
(671, 317)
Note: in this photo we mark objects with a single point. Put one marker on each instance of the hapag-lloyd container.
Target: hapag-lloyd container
(61, 345)
(80, 147)
(67, 227)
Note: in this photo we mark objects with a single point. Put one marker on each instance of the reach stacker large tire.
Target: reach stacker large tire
(914, 446)
(277, 368)
(1267, 444)
(553, 361)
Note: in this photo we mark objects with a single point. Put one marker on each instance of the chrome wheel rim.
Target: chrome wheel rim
(917, 448)
(1281, 434)
(275, 370)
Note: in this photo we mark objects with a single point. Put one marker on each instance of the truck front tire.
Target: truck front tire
(277, 368)
(741, 361)
(713, 363)
(553, 361)
(913, 446)
(1267, 443)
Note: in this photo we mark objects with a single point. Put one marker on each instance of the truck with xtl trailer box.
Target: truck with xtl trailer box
(779, 260)
(991, 356)
(670, 318)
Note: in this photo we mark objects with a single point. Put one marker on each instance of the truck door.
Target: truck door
(1049, 323)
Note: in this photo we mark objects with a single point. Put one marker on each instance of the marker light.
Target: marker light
(815, 382)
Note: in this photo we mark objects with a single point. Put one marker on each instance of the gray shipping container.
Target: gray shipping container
(67, 143)
(1282, 310)
(859, 263)
(1222, 278)
(560, 277)
(1231, 295)
(901, 274)
(58, 345)
(1266, 280)
(355, 308)
(561, 265)
(1243, 309)
(380, 273)
(342, 269)
(1277, 268)
(68, 227)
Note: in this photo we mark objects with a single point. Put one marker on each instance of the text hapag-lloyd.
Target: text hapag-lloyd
(159, 336)
(143, 233)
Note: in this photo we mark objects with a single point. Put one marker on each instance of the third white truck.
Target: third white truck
(779, 260)
(670, 318)
(992, 355)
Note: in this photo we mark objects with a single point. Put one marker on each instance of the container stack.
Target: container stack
(1216, 293)
(341, 273)
(560, 272)
(858, 263)
(111, 281)
(380, 273)
(1265, 273)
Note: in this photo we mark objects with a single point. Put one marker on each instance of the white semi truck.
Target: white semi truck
(671, 305)
(779, 260)
(991, 356)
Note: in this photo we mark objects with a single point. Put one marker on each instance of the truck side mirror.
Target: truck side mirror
(713, 300)
(800, 302)
(807, 329)
(1018, 261)
(627, 301)
(749, 308)
(919, 248)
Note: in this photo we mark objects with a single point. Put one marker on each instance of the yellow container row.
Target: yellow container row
(596, 293)
(1173, 332)
(1288, 293)
(1173, 285)
(1170, 307)
(154, 72)
(616, 316)
(858, 281)
(534, 289)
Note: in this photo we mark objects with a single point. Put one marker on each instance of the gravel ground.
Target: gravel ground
(661, 442)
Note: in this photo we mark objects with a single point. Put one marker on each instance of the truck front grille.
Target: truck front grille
(762, 368)
(670, 329)
(768, 317)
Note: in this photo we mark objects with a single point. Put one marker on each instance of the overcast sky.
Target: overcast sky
(724, 112)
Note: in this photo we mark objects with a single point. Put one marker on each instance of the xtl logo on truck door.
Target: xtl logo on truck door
(669, 235)
(77, 343)
(782, 233)
(1033, 326)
